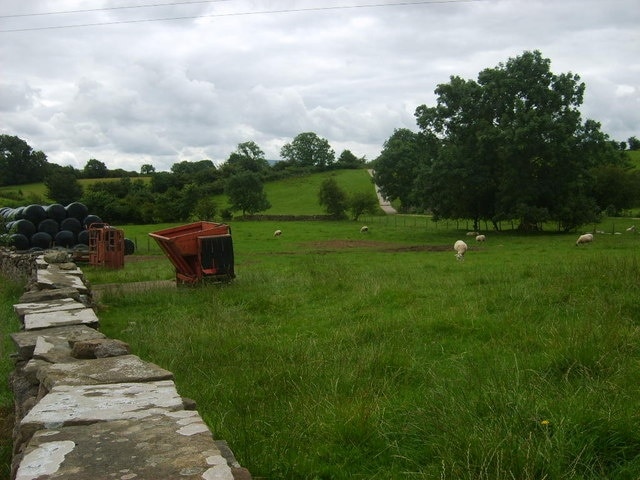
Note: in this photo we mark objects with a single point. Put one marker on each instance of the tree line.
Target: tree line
(183, 193)
(510, 145)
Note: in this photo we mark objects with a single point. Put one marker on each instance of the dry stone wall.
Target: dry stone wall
(85, 405)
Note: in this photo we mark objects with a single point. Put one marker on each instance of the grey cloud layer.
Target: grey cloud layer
(162, 92)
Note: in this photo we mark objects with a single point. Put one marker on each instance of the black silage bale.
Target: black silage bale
(77, 210)
(41, 240)
(50, 226)
(65, 238)
(19, 241)
(72, 224)
(56, 212)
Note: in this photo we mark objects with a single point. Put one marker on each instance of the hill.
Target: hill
(289, 196)
(299, 195)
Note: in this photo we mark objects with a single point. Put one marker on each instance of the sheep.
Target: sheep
(480, 238)
(632, 228)
(277, 233)
(472, 234)
(364, 229)
(586, 238)
(460, 247)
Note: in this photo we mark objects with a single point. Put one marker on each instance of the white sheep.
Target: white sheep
(586, 238)
(480, 238)
(460, 247)
(472, 234)
(632, 228)
(277, 233)
(364, 229)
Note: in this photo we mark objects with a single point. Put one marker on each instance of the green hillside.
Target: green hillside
(299, 195)
(36, 193)
(634, 157)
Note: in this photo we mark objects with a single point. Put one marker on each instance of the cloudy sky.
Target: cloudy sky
(130, 82)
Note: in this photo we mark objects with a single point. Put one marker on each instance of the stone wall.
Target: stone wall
(85, 406)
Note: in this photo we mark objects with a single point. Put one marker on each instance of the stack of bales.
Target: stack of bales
(38, 227)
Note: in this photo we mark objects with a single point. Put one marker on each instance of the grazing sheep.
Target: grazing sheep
(632, 228)
(364, 229)
(277, 233)
(586, 238)
(472, 234)
(460, 247)
(480, 238)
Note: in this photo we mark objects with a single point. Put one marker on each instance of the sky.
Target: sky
(134, 82)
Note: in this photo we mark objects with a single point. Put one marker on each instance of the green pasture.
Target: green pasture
(341, 355)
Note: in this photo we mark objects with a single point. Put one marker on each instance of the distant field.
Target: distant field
(634, 156)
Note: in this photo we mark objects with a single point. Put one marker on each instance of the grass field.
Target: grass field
(340, 355)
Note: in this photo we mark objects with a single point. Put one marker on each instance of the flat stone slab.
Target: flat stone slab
(68, 405)
(52, 349)
(52, 278)
(36, 296)
(25, 341)
(84, 316)
(57, 305)
(160, 447)
(96, 371)
(65, 269)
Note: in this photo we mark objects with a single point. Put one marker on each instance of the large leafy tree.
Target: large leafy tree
(246, 193)
(397, 168)
(247, 157)
(348, 160)
(333, 198)
(19, 163)
(308, 150)
(63, 186)
(513, 145)
(95, 169)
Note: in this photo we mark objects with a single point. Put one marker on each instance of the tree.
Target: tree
(147, 169)
(513, 145)
(63, 187)
(308, 150)
(19, 164)
(95, 169)
(398, 166)
(634, 143)
(246, 193)
(362, 202)
(348, 160)
(247, 157)
(333, 198)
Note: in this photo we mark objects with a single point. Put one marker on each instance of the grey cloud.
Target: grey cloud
(162, 92)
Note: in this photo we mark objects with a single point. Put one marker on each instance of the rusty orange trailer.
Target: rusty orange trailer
(199, 251)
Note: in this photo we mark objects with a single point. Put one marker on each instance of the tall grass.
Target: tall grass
(326, 358)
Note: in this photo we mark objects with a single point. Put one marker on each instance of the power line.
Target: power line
(219, 15)
(104, 9)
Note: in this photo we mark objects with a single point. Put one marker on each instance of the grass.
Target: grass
(333, 358)
(299, 195)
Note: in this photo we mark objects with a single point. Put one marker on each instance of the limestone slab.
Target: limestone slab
(109, 370)
(58, 305)
(34, 296)
(68, 405)
(25, 341)
(84, 316)
(47, 278)
(52, 349)
(167, 446)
